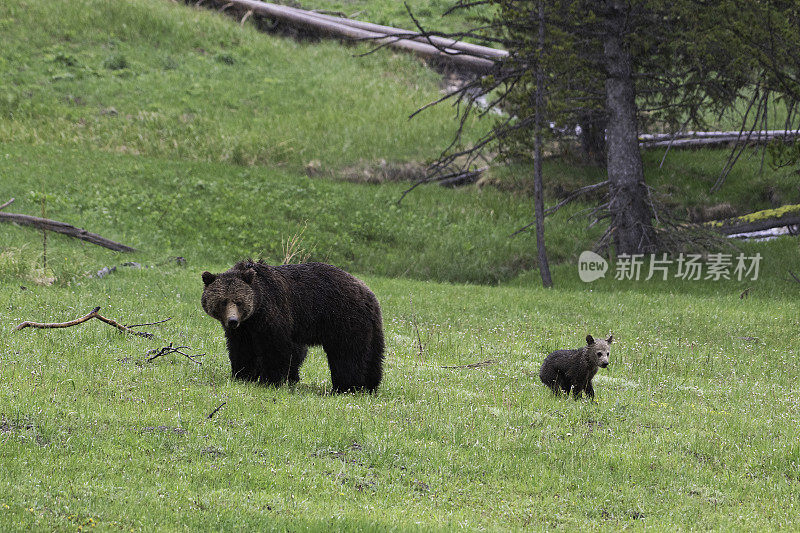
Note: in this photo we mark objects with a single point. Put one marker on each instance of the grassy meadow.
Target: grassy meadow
(180, 133)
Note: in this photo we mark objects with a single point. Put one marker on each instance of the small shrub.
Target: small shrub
(116, 62)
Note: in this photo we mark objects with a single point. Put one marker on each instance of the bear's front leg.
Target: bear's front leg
(590, 391)
(243, 367)
(578, 389)
(277, 366)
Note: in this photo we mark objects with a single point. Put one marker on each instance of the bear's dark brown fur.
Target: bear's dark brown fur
(574, 369)
(270, 314)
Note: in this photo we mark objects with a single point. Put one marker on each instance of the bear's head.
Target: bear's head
(599, 349)
(229, 297)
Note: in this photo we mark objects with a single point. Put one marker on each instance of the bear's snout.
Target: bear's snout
(232, 318)
(603, 364)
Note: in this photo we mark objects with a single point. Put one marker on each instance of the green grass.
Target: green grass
(203, 157)
(696, 424)
(212, 213)
(162, 79)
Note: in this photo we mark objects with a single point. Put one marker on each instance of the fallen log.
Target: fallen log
(329, 25)
(702, 134)
(460, 179)
(443, 42)
(63, 228)
(788, 215)
(759, 225)
(708, 138)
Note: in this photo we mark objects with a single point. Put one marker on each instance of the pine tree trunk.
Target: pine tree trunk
(538, 198)
(631, 213)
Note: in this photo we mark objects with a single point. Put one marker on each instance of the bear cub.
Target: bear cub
(271, 314)
(574, 369)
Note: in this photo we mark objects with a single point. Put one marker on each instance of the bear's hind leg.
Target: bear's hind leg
(374, 363)
(347, 367)
(564, 382)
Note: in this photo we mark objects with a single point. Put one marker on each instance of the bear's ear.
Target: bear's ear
(610, 339)
(248, 276)
(208, 277)
(589, 340)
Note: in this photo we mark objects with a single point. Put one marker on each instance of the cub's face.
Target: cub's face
(600, 349)
(229, 297)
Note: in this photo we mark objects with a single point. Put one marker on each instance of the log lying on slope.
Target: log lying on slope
(462, 55)
(708, 138)
(443, 42)
(788, 215)
(64, 228)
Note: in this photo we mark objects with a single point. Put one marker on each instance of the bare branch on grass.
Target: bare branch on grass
(150, 323)
(420, 346)
(473, 365)
(170, 349)
(95, 313)
(217, 409)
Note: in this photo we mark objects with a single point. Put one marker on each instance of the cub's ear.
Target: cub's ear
(589, 340)
(610, 339)
(208, 277)
(248, 276)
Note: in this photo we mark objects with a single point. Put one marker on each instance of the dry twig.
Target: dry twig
(293, 248)
(169, 349)
(95, 313)
(474, 365)
(217, 409)
(420, 346)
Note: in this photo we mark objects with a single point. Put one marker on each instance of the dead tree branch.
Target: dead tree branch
(562, 203)
(217, 409)
(150, 323)
(63, 228)
(95, 313)
(474, 365)
(170, 349)
(8, 203)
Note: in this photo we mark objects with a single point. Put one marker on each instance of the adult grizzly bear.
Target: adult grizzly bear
(270, 315)
(574, 369)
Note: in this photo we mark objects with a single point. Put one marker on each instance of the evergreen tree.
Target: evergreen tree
(620, 65)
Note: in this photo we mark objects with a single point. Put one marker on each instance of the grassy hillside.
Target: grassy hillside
(217, 213)
(161, 79)
(174, 130)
